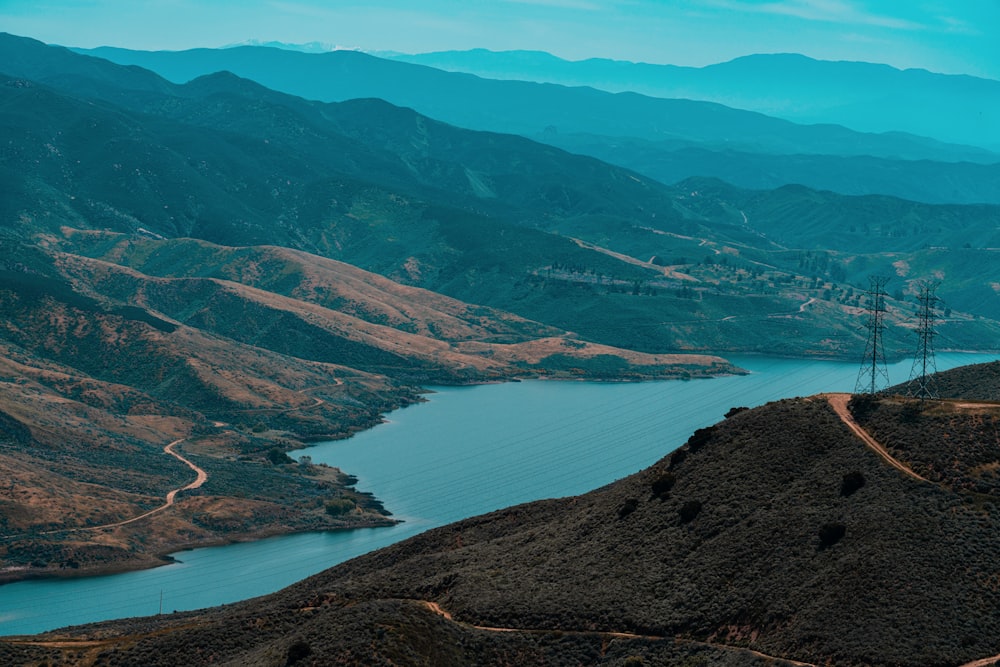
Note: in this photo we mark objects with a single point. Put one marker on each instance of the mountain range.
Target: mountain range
(866, 97)
(515, 192)
(235, 269)
(654, 136)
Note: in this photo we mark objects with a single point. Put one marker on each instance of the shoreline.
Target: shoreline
(20, 573)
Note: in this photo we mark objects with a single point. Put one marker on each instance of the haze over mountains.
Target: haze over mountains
(651, 135)
(862, 96)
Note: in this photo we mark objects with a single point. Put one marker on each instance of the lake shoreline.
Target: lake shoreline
(466, 451)
(167, 556)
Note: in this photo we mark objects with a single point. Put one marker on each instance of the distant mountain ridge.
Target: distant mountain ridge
(651, 135)
(867, 97)
(520, 107)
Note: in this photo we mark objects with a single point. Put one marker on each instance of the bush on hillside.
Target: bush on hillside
(852, 482)
(830, 534)
(689, 510)
(627, 508)
(661, 485)
(700, 438)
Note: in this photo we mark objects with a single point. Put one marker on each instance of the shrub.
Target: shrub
(297, 651)
(627, 508)
(861, 406)
(278, 457)
(677, 458)
(339, 506)
(830, 534)
(735, 411)
(699, 438)
(852, 482)
(661, 485)
(689, 510)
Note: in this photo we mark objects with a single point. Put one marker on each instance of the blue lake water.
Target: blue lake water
(467, 451)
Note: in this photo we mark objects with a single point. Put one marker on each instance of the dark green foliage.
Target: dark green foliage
(732, 412)
(13, 431)
(141, 315)
(278, 457)
(830, 534)
(661, 485)
(676, 458)
(862, 405)
(629, 506)
(852, 482)
(298, 651)
(700, 438)
(339, 506)
(689, 510)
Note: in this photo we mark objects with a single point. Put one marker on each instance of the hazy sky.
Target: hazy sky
(952, 36)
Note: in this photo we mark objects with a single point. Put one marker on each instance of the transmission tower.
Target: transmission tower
(874, 375)
(921, 384)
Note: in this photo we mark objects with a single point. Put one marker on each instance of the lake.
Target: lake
(466, 451)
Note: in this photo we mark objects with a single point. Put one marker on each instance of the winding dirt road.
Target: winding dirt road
(200, 478)
(437, 609)
(839, 404)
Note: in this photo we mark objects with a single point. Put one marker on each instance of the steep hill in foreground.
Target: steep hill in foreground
(775, 534)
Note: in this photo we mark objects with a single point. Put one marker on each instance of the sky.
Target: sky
(948, 36)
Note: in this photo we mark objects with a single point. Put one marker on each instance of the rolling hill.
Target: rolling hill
(775, 536)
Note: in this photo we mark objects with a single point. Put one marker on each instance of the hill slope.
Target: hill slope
(776, 531)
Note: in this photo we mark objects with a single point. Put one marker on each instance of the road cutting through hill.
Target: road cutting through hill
(839, 404)
(200, 478)
(437, 609)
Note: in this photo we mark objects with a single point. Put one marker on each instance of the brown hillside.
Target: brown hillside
(104, 365)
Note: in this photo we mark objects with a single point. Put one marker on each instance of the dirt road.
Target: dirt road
(839, 403)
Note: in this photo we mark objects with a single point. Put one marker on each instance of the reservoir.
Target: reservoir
(466, 451)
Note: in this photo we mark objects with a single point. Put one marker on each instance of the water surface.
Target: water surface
(466, 451)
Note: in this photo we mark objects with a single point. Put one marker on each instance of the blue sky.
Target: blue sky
(951, 36)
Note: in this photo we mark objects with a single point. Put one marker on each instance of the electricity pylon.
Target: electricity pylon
(921, 383)
(874, 375)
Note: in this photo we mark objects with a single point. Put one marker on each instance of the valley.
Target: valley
(223, 270)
